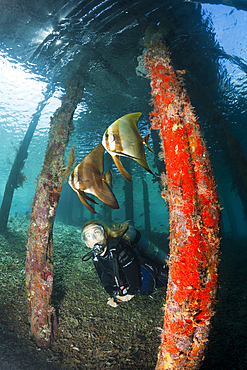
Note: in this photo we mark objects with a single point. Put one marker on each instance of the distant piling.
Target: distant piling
(17, 177)
(194, 214)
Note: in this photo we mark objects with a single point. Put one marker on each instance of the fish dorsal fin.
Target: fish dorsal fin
(97, 157)
(145, 141)
(133, 118)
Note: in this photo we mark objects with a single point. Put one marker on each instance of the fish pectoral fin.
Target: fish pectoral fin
(82, 196)
(105, 194)
(145, 141)
(121, 168)
(107, 177)
(91, 199)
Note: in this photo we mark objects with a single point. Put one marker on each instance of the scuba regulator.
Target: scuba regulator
(96, 250)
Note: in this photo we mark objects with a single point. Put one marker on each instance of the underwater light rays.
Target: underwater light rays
(18, 86)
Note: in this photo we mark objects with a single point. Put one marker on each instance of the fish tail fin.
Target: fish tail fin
(145, 141)
(121, 168)
(108, 177)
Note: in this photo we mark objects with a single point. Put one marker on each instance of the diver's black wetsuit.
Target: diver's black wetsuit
(128, 279)
(122, 270)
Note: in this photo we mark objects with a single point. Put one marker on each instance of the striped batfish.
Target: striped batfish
(88, 177)
(122, 138)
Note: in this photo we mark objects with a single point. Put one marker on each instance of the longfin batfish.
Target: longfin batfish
(122, 138)
(88, 177)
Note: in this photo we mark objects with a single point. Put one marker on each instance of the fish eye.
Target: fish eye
(111, 138)
(107, 135)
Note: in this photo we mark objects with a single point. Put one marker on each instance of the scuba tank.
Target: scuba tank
(147, 248)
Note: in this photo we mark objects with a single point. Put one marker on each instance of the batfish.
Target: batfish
(88, 177)
(122, 138)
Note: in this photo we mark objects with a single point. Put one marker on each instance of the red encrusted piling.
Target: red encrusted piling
(39, 263)
(194, 215)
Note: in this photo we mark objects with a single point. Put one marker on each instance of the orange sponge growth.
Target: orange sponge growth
(194, 216)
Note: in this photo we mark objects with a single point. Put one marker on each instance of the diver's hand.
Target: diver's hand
(111, 302)
(125, 298)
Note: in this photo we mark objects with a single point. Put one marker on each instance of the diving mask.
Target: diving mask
(93, 234)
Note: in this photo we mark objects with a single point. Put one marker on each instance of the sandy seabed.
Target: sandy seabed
(93, 335)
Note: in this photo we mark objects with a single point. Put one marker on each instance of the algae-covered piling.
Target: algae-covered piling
(39, 263)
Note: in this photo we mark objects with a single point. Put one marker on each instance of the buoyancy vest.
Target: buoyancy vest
(148, 270)
(119, 268)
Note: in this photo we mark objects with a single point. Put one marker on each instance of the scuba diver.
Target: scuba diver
(126, 262)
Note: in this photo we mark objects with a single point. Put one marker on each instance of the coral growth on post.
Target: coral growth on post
(39, 262)
(194, 214)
